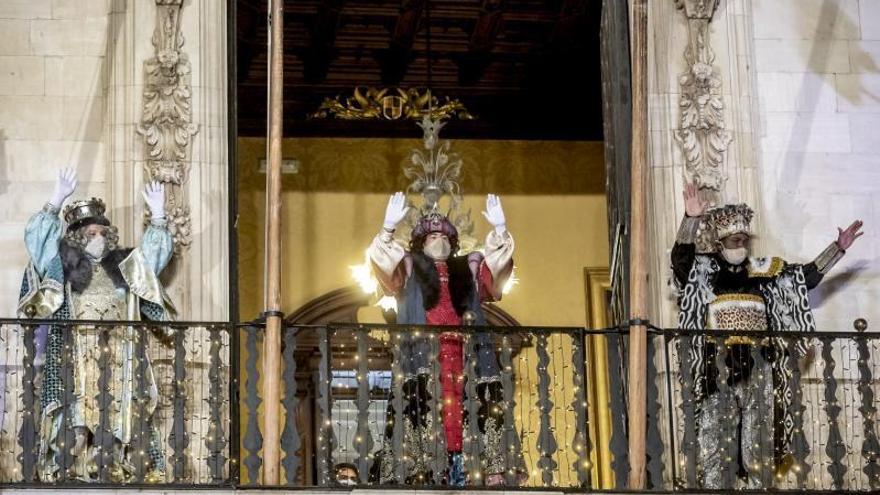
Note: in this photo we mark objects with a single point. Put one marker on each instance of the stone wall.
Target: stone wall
(800, 87)
(52, 113)
(72, 85)
(72, 92)
(818, 88)
(799, 84)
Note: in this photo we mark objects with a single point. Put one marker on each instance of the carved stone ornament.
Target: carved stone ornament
(166, 124)
(701, 135)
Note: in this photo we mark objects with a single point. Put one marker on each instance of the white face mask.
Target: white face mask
(437, 248)
(734, 256)
(97, 247)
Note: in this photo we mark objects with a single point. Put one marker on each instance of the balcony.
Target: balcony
(179, 405)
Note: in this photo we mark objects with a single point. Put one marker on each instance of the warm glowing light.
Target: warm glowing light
(387, 303)
(363, 275)
(508, 285)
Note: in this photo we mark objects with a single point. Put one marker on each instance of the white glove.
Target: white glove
(154, 196)
(495, 214)
(395, 211)
(64, 187)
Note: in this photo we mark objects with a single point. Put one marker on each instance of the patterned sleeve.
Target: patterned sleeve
(157, 246)
(42, 236)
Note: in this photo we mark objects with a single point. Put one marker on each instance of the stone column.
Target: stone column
(167, 121)
(701, 107)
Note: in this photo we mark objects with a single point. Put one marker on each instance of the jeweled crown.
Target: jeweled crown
(730, 219)
(80, 211)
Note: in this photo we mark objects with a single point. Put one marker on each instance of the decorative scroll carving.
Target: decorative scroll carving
(166, 124)
(368, 103)
(701, 135)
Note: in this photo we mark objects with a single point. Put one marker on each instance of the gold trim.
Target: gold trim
(394, 103)
(597, 282)
(738, 297)
(776, 265)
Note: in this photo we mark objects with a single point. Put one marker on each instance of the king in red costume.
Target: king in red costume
(434, 286)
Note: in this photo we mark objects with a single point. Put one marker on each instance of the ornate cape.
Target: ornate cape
(788, 309)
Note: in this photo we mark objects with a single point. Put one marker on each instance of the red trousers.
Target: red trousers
(452, 385)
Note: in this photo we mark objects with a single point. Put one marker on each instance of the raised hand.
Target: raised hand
(693, 205)
(64, 186)
(494, 213)
(395, 211)
(845, 238)
(154, 196)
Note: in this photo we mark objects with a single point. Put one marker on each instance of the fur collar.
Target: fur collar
(461, 286)
(78, 268)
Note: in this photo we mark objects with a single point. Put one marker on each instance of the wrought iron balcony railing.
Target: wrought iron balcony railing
(768, 411)
(179, 404)
(114, 402)
(373, 408)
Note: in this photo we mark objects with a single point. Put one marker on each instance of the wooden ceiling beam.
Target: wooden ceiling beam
(473, 63)
(572, 20)
(320, 53)
(395, 59)
(250, 15)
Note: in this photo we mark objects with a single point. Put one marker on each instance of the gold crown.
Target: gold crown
(85, 209)
(730, 219)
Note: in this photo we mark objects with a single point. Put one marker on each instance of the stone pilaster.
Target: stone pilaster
(148, 56)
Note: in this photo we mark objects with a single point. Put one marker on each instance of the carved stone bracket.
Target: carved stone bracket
(166, 124)
(701, 134)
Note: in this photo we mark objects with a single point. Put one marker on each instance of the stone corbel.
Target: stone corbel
(701, 133)
(166, 124)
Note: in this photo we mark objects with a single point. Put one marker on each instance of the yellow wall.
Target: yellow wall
(553, 197)
(552, 193)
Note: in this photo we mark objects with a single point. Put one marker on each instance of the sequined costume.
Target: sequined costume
(61, 283)
(757, 295)
(451, 287)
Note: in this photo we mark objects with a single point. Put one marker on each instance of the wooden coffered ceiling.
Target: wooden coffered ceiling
(527, 69)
